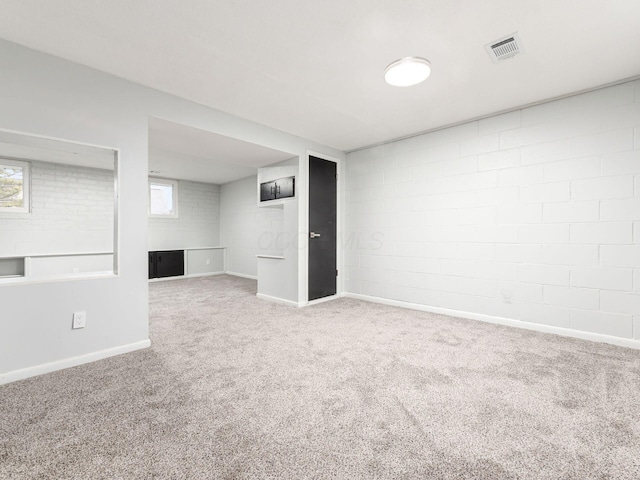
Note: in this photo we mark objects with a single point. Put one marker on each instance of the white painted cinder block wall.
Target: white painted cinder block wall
(532, 215)
(71, 212)
(198, 222)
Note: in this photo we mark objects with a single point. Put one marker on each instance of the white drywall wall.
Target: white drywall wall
(246, 229)
(276, 276)
(532, 215)
(204, 261)
(48, 96)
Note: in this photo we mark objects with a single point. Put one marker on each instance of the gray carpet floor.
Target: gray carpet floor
(234, 387)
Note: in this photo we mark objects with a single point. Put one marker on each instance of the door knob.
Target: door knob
(313, 235)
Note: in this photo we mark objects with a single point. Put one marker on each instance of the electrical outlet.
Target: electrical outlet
(79, 319)
(208, 261)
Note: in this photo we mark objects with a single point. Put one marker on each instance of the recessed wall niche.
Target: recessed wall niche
(58, 209)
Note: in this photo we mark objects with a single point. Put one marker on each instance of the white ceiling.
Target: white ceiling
(315, 68)
(186, 153)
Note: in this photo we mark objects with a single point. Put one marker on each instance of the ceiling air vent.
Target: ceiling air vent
(504, 48)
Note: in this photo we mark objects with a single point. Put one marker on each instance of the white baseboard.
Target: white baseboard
(166, 279)
(565, 332)
(208, 274)
(180, 277)
(23, 373)
(236, 274)
(283, 301)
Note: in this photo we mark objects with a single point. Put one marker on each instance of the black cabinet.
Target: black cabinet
(281, 188)
(168, 263)
(285, 187)
(267, 191)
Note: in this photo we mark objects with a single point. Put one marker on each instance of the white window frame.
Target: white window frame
(26, 185)
(174, 187)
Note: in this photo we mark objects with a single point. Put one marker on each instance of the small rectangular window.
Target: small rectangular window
(163, 198)
(14, 186)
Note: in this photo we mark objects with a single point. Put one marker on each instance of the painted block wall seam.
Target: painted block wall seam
(553, 205)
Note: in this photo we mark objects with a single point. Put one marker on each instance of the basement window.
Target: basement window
(14, 186)
(163, 198)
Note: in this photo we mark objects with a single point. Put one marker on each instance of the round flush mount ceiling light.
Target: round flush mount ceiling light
(407, 71)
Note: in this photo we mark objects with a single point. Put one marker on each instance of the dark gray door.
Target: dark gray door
(322, 228)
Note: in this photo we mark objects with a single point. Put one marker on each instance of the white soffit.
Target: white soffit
(21, 146)
(315, 69)
(185, 153)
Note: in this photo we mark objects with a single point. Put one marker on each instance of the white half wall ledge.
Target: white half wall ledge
(36, 370)
(509, 322)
